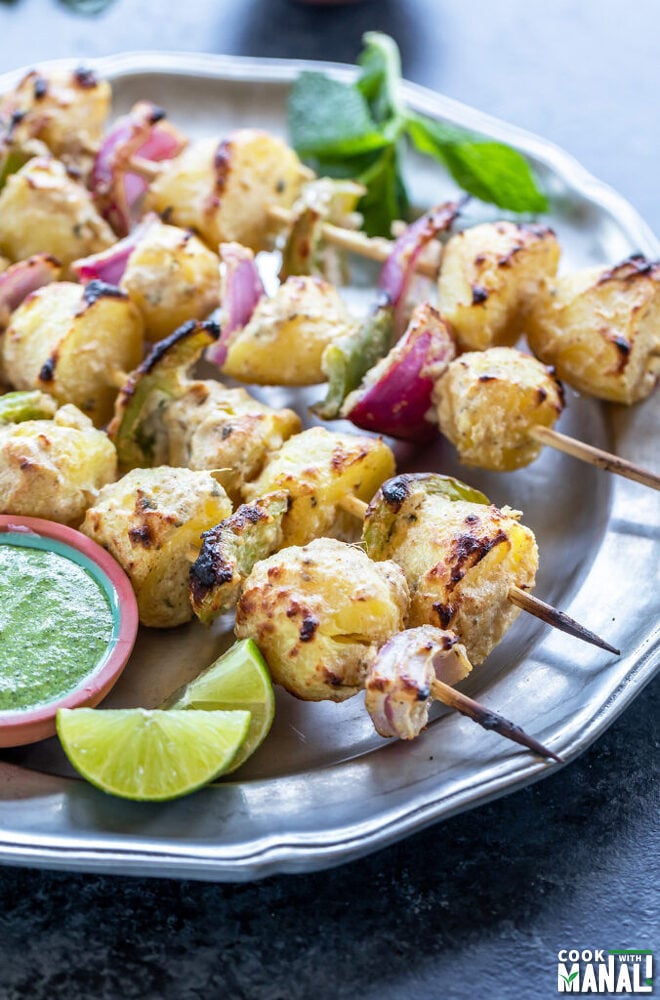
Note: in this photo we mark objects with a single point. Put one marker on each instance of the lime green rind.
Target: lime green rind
(151, 755)
(238, 679)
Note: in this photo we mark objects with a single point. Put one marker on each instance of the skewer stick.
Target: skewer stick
(487, 719)
(558, 619)
(595, 456)
(373, 247)
(533, 605)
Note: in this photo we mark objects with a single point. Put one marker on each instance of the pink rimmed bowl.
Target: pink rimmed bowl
(20, 726)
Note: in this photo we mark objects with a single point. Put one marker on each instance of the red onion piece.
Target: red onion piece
(241, 288)
(115, 183)
(110, 264)
(396, 394)
(19, 280)
(397, 271)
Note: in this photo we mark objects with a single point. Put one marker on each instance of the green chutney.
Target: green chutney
(55, 626)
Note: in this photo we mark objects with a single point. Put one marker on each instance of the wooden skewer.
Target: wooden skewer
(488, 719)
(558, 619)
(595, 456)
(373, 247)
(533, 605)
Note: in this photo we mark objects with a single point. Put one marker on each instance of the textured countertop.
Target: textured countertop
(479, 905)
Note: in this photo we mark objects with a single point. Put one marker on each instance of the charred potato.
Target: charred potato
(43, 211)
(489, 277)
(152, 521)
(318, 469)
(223, 190)
(460, 558)
(319, 614)
(284, 341)
(66, 111)
(172, 277)
(54, 468)
(489, 401)
(71, 342)
(601, 330)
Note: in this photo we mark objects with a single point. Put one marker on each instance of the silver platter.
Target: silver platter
(325, 788)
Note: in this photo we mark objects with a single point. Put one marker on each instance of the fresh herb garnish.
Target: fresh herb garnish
(360, 130)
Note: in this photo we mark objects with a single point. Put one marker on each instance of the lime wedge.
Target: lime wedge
(238, 679)
(150, 755)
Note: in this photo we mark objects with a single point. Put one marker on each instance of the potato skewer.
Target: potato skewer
(374, 248)
(530, 254)
(327, 618)
(278, 518)
(407, 496)
(495, 407)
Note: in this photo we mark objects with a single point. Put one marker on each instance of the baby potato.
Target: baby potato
(223, 190)
(284, 340)
(71, 341)
(489, 277)
(212, 427)
(172, 277)
(601, 330)
(489, 401)
(319, 615)
(43, 211)
(319, 468)
(460, 558)
(65, 110)
(54, 468)
(151, 521)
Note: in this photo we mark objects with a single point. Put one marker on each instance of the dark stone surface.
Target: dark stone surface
(477, 906)
(474, 907)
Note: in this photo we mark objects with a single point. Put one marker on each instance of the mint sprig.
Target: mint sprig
(361, 130)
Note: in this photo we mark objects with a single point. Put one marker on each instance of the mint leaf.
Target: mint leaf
(488, 170)
(380, 76)
(330, 119)
(386, 198)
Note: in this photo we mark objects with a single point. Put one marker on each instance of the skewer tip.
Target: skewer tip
(558, 619)
(490, 720)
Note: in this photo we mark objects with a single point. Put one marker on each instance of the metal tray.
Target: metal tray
(325, 788)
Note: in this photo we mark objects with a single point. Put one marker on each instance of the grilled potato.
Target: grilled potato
(151, 521)
(212, 427)
(319, 615)
(318, 468)
(71, 342)
(601, 330)
(223, 190)
(67, 111)
(489, 277)
(43, 211)
(54, 468)
(460, 558)
(487, 403)
(284, 341)
(172, 277)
